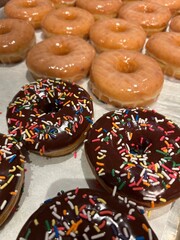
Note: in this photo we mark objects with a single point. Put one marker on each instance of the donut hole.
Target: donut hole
(29, 4)
(52, 107)
(140, 147)
(146, 9)
(60, 49)
(118, 28)
(127, 66)
(69, 16)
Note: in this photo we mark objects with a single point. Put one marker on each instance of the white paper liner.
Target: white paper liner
(45, 177)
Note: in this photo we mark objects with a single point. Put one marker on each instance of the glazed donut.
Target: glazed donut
(175, 24)
(11, 176)
(164, 48)
(135, 153)
(59, 3)
(100, 9)
(151, 16)
(87, 214)
(3, 2)
(32, 11)
(51, 117)
(67, 21)
(16, 38)
(66, 57)
(173, 5)
(125, 78)
(121, 35)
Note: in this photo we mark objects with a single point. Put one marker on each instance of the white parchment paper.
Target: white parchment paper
(45, 177)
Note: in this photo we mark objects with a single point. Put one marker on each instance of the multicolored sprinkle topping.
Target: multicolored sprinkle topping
(48, 115)
(87, 214)
(11, 174)
(136, 152)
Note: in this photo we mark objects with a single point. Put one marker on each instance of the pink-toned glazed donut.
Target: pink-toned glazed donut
(114, 33)
(67, 21)
(152, 17)
(32, 11)
(99, 8)
(16, 38)
(175, 24)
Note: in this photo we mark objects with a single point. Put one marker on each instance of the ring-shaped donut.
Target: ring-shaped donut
(87, 214)
(174, 25)
(33, 11)
(16, 39)
(67, 21)
(151, 16)
(100, 9)
(126, 78)
(51, 117)
(11, 175)
(121, 35)
(164, 48)
(135, 153)
(65, 57)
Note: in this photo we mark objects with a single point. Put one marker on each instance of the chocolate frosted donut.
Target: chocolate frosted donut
(136, 153)
(50, 116)
(87, 214)
(11, 176)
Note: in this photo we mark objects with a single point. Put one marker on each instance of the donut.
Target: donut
(50, 117)
(175, 24)
(173, 5)
(3, 2)
(121, 35)
(152, 17)
(32, 11)
(67, 21)
(100, 9)
(125, 78)
(16, 38)
(87, 214)
(66, 57)
(164, 48)
(11, 176)
(60, 3)
(135, 153)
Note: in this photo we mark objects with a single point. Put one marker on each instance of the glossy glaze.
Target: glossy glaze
(65, 57)
(32, 11)
(48, 115)
(11, 172)
(100, 9)
(68, 21)
(87, 214)
(135, 152)
(16, 38)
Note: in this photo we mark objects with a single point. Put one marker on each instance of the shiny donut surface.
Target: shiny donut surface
(135, 152)
(49, 114)
(11, 175)
(87, 214)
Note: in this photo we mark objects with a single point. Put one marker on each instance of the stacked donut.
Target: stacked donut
(102, 40)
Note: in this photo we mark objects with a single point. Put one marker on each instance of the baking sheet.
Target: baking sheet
(45, 177)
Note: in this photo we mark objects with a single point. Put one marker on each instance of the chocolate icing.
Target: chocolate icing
(11, 170)
(48, 115)
(87, 214)
(136, 153)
